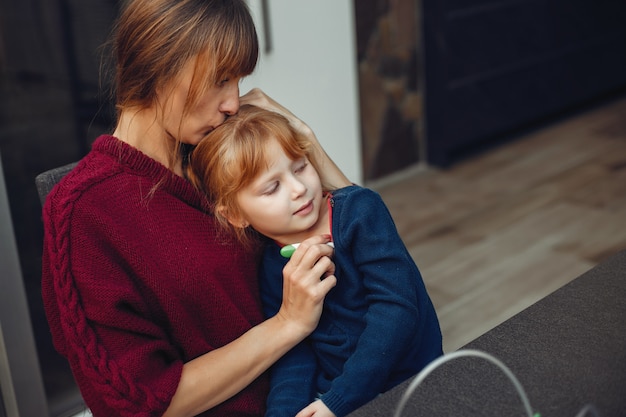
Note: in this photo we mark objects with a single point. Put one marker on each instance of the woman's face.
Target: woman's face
(211, 109)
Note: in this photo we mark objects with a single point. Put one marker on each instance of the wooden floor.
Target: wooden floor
(496, 233)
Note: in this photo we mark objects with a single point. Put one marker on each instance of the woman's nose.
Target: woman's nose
(230, 104)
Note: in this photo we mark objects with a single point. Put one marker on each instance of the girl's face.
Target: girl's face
(210, 111)
(285, 202)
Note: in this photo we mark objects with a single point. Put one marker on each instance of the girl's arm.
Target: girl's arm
(329, 171)
(218, 375)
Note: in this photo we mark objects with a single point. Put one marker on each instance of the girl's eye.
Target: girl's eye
(272, 189)
(300, 167)
(223, 82)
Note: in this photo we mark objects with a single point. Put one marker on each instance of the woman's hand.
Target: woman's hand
(307, 278)
(258, 98)
(331, 175)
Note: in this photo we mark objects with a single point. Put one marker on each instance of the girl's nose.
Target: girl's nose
(298, 187)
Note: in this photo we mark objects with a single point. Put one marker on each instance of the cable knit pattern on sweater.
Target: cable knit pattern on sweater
(114, 383)
(136, 282)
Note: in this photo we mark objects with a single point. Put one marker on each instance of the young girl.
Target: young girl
(378, 326)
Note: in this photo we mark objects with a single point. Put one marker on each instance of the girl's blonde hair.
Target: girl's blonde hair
(155, 39)
(229, 158)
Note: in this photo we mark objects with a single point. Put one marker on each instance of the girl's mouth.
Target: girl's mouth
(305, 209)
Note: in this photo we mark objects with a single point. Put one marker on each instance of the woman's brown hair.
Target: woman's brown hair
(155, 39)
(234, 154)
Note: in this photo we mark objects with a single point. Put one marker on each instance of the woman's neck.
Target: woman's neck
(141, 130)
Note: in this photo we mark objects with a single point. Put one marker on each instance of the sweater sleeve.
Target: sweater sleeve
(292, 377)
(292, 381)
(122, 360)
(392, 282)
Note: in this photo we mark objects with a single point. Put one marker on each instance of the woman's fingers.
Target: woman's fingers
(258, 98)
(308, 277)
(311, 249)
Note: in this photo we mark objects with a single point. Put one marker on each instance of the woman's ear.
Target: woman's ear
(235, 219)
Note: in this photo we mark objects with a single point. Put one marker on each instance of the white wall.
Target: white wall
(312, 71)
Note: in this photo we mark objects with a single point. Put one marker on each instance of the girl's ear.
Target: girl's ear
(235, 219)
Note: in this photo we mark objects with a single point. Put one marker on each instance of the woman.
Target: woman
(155, 312)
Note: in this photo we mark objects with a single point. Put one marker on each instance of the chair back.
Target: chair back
(48, 179)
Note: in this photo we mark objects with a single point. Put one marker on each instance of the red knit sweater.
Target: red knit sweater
(136, 282)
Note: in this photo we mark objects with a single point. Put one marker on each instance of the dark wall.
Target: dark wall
(496, 66)
(49, 113)
(390, 85)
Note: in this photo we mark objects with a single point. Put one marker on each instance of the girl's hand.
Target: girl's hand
(332, 177)
(307, 278)
(316, 408)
